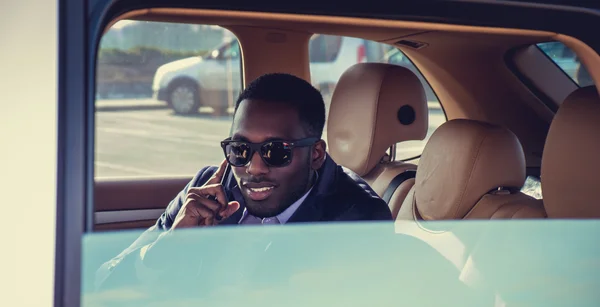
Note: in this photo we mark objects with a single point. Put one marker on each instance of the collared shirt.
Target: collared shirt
(281, 218)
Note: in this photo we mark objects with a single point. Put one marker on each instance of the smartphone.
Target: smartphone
(224, 180)
(223, 184)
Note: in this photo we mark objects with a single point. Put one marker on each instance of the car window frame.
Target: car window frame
(75, 139)
(81, 24)
(543, 91)
(556, 64)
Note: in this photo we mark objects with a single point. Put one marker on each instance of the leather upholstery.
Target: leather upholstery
(363, 123)
(464, 164)
(570, 168)
(381, 176)
(363, 115)
(501, 206)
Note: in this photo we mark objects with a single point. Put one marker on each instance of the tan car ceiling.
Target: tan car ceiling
(465, 65)
(469, 74)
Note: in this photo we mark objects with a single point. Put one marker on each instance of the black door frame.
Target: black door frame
(81, 23)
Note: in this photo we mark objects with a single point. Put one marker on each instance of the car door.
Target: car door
(68, 183)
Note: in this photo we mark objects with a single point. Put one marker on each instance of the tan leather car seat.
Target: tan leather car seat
(570, 163)
(373, 107)
(470, 170)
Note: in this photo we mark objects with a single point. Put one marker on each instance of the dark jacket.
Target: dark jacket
(339, 195)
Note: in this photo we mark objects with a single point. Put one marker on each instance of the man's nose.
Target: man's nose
(257, 166)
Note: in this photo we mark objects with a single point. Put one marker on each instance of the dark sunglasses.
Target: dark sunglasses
(273, 153)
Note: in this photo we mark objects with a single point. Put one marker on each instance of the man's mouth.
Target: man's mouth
(258, 191)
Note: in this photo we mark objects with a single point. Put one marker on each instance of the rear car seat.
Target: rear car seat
(470, 170)
(373, 107)
(570, 167)
(570, 189)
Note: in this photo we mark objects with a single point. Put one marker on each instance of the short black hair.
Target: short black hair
(293, 91)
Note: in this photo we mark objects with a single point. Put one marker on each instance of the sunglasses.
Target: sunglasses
(273, 153)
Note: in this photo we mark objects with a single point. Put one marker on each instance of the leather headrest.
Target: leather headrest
(570, 163)
(463, 161)
(374, 106)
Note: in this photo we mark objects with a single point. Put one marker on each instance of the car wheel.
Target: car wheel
(184, 98)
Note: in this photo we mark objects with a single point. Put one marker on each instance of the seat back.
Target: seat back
(470, 170)
(373, 107)
(570, 166)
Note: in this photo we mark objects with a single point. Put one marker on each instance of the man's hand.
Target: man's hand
(199, 210)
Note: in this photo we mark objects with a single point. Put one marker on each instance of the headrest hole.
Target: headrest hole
(406, 115)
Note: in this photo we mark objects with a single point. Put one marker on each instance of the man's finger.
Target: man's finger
(218, 175)
(204, 215)
(193, 214)
(215, 190)
(209, 203)
(231, 208)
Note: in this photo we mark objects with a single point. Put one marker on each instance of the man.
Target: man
(281, 173)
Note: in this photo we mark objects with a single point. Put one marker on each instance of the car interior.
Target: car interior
(511, 113)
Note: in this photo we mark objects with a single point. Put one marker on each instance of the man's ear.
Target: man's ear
(319, 152)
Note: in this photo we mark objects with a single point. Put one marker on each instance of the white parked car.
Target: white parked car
(215, 80)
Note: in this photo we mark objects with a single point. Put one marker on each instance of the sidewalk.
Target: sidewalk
(129, 104)
(108, 105)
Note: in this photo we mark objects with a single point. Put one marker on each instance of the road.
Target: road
(156, 142)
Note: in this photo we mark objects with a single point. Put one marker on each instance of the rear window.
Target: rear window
(324, 48)
(567, 60)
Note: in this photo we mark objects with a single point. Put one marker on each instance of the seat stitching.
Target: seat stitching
(476, 158)
(373, 131)
(516, 212)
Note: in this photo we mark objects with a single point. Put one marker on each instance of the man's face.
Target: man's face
(267, 190)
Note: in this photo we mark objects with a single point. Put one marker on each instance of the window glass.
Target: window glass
(164, 92)
(229, 50)
(532, 187)
(568, 61)
(349, 51)
(256, 266)
(324, 48)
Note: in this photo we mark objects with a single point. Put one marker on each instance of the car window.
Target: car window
(532, 187)
(324, 48)
(354, 50)
(229, 51)
(254, 266)
(160, 94)
(567, 60)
